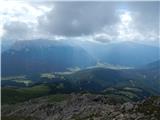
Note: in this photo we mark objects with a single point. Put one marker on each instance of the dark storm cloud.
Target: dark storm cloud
(79, 18)
(87, 18)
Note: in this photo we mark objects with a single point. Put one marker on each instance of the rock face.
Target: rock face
(83, 107)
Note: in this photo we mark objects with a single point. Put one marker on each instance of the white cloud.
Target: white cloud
(22, 12)
(125, 27)
(103, 37)
(126, 18)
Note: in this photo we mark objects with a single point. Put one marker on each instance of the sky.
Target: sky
(102, 22)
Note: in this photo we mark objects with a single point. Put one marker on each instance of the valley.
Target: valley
(130, 83)
(61, 81)
(80, 60)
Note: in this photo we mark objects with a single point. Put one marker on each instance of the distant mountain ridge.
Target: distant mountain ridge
(43, 56)
(152, 65)
(123, 53)
(37, 56)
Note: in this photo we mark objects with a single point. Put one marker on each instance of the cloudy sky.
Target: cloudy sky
(93, 21)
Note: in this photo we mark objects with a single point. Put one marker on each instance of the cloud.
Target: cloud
(19, 17)
(103, 37)
(92, 21)
(78, 18)
(16, 30)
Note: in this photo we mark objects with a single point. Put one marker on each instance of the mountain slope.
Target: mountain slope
(128, 84)
(152, 66)
(123, 53)
(147, 77)
(82, 107)
(37, 56)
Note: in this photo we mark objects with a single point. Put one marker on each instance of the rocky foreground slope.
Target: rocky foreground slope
(83, 107)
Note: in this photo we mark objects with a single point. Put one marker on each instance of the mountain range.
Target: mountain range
(37, 56)
(46, 79)
(123, 53)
